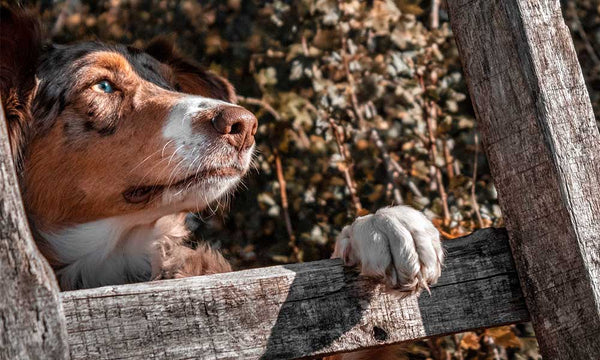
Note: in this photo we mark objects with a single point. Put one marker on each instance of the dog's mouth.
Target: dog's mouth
(143, 194)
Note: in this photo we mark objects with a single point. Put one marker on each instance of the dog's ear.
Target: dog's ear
(189, 76)
(20, 41)
(161, 48)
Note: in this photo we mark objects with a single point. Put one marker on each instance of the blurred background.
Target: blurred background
(361, 104)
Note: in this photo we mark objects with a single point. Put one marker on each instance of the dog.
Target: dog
(114, 144)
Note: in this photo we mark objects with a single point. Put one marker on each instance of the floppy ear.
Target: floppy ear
(190, 77)
(20, 41)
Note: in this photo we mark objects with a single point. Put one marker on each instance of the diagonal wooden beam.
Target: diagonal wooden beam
(31, 321)
(543, 145)
(286, 312)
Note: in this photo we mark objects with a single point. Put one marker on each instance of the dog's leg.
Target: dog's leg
(183, 261)
(396, 244)
(173, 259)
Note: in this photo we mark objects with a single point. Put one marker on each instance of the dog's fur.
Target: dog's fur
(108, 176)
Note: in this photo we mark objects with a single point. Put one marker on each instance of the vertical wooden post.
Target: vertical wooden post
(543, 145)
(32, 325)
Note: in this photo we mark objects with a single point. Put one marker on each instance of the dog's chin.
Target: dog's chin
(203, 187)
(197, 196)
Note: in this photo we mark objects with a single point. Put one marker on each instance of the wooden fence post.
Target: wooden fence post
(543, 145)
(32, 325)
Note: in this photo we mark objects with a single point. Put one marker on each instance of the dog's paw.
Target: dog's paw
(397, 244)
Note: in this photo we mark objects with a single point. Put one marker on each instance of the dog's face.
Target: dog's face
(120, 131)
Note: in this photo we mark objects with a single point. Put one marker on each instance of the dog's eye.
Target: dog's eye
(103, 87)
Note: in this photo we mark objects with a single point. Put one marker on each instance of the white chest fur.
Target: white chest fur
(111, 251)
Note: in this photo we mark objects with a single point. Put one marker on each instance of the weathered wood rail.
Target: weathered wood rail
(288, 312)
(543, 145)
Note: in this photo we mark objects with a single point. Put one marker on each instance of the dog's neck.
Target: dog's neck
(115, 250)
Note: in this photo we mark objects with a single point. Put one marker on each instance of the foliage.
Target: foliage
(370, 70)
(361, 104)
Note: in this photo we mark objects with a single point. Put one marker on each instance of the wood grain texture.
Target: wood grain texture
(31, 322)
(300, 310)
(543, 146)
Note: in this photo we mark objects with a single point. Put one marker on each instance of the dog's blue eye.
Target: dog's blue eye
(103, 87)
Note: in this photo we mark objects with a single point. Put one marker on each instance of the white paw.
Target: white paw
(397, 244)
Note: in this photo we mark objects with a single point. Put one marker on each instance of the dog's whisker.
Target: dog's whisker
(175, 152)
(173, 174)
(192, 165)
(150, 171)
(142, 162)
(162, 154)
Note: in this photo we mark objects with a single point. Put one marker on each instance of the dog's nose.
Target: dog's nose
(237, 125)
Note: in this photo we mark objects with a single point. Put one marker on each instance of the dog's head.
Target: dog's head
(118, 130)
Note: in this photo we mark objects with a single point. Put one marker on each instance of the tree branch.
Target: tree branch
(392, 171)
(348, 164)
(285, 207)
(473, 182)
(434, 16)
(429, 112)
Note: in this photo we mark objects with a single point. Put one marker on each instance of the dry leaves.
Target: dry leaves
(504, 336)
(470, 341)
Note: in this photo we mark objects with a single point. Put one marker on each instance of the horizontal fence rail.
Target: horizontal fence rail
(293, 311)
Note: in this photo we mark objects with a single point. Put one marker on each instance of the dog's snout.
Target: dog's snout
(237, 124)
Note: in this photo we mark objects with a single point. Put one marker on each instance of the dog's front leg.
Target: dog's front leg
(182, 261)
(173, 259)
(396, 244)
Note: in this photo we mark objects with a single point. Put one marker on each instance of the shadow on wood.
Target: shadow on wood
(320, 307)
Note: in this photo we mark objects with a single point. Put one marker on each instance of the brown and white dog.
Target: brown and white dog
(114, 145)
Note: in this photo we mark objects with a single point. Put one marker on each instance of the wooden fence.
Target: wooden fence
(543, 146)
